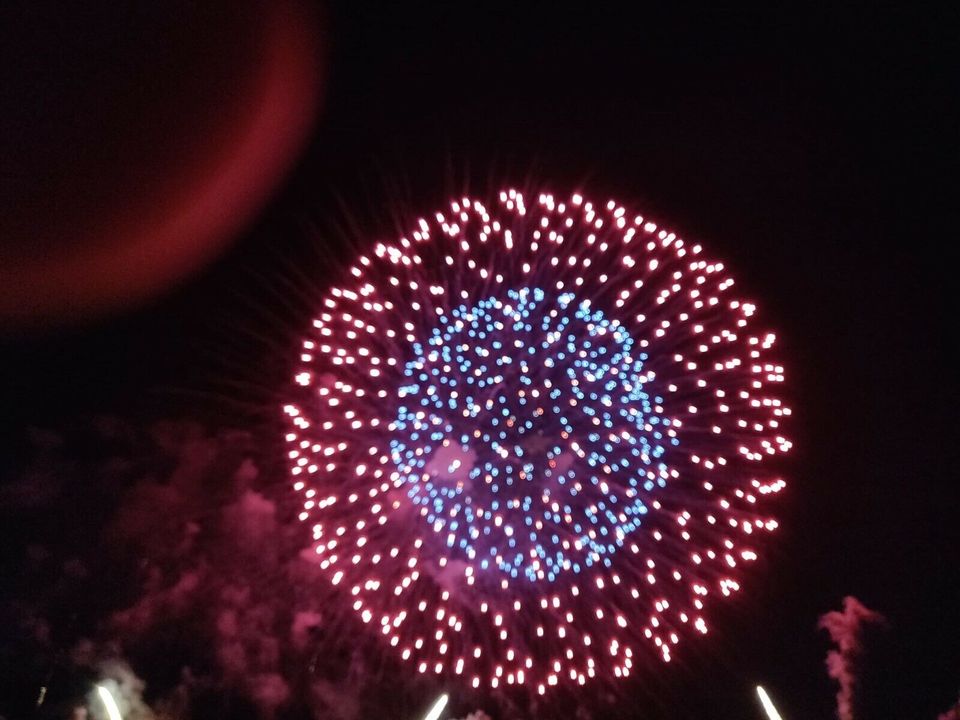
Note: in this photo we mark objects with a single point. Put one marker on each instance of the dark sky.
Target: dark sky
(813, 150)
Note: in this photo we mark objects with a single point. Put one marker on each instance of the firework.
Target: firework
(530, 439)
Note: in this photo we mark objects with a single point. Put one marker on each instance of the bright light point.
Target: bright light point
(437, 709)
(767, 703)
(113, 712)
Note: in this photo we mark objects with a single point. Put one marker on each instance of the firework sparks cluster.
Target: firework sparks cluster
(531, 440)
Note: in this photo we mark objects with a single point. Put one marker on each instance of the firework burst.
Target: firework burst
(531, 439)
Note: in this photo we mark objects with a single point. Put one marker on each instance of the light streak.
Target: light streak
(767, 704)
(113, 712)
(437, 709)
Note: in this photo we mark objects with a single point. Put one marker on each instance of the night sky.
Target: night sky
(813, 151)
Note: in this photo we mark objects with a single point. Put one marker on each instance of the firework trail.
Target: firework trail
(531, 439)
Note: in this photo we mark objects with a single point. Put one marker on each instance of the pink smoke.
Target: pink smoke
(845, 628)
(218, 561)
(212, 576)
(951, 714)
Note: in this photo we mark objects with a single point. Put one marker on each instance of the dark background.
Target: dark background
(812, 150)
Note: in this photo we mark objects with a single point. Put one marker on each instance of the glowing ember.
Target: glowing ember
(530, 440)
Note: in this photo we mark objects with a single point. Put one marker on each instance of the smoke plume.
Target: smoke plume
(846, 628)
(951, 714)
(170, 549)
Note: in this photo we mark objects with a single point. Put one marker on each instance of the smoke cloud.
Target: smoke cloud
(846, 629)
(170, 549)
(951, 714)
(173, 549)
